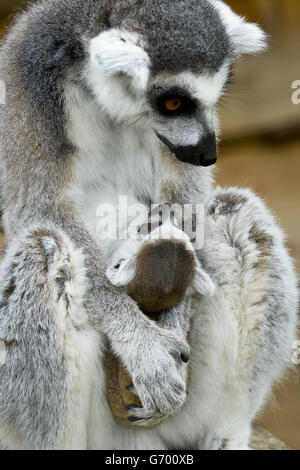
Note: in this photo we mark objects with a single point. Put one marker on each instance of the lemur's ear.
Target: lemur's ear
(247, 38)
(118, 52)
(122, 274)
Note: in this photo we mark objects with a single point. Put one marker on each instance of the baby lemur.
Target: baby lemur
(159, 265)
(111, 98)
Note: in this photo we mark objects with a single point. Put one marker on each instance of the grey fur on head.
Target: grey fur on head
(181, 34)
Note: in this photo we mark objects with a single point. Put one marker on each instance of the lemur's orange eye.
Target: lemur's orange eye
(173, 104)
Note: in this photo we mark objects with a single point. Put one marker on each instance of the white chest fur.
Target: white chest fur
(113, 160)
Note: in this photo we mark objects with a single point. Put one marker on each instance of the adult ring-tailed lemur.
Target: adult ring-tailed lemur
(107, 98)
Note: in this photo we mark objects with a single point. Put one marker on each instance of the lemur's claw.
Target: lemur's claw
(134, 419)
(185, 357)
(131, 389)
(145, 418)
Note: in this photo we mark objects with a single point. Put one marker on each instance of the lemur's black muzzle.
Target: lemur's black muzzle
(203, 154)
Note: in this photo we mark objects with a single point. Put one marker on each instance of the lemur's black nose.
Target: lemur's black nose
(208, 153)
(203, 154)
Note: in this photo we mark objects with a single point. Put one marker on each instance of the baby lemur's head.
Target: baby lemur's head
(165, 269)
(166, 63)
(160, 266)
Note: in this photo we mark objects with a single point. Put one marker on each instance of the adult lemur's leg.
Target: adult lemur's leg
(241, 338)
(245, 333)
(52, 350)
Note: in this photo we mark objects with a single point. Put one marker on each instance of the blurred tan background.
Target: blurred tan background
(261, 149)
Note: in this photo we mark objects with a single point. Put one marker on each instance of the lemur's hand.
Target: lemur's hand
(158, 370)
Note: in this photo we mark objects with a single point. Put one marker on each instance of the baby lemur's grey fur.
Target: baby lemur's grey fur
(86, 120)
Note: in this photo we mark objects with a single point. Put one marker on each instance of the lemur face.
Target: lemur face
(165, 64)
(183, 112)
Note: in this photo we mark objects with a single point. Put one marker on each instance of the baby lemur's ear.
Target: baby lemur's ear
(246, 38)
(123, 273)
(118, 52)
